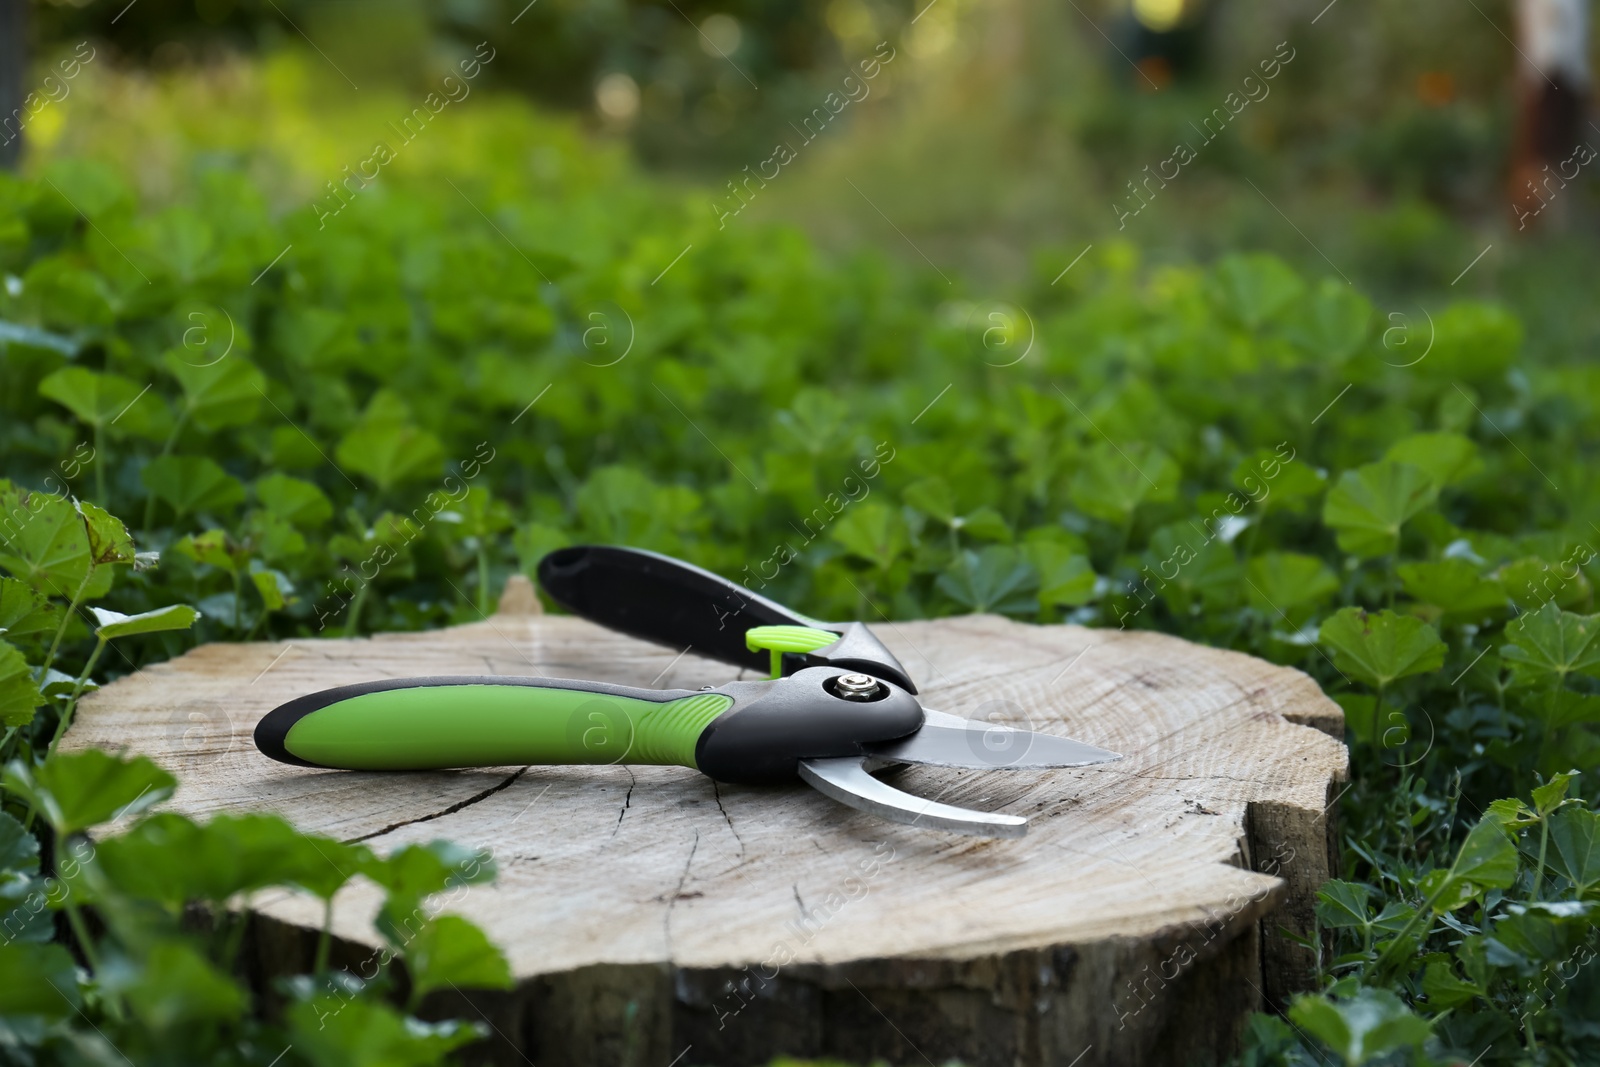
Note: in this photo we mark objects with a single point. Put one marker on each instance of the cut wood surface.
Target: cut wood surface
(650, 913)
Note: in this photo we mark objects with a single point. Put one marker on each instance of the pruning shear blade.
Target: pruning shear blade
(951, 741)
(846, 780)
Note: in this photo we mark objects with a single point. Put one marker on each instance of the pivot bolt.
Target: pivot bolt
(859, 687)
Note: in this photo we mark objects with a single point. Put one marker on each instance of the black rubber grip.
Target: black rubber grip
(661, 599)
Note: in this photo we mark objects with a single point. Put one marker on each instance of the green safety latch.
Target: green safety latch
(781, 639)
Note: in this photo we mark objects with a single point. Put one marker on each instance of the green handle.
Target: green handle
(435, 723)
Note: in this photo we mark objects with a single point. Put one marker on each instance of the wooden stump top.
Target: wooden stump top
(1218, 814)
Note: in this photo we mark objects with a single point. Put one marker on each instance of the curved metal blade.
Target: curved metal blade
(846, 780)
(951, 741)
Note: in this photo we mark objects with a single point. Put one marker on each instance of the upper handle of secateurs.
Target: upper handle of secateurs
(665, 600)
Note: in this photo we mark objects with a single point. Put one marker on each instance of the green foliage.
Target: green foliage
(159, 989)
(1369, 505)
(73, 793)
(1547, 646)
(1382, 647)
(414, 410)
(1362, 1027)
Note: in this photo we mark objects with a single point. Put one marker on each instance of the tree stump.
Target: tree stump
(655, 918)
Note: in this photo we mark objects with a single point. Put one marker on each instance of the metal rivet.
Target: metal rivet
(856, 687)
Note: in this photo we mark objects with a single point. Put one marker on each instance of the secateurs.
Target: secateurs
(838, 706)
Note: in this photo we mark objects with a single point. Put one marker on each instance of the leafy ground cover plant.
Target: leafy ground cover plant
(511, 343)
(155, 981)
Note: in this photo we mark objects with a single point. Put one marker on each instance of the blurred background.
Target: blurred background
(1385, 144)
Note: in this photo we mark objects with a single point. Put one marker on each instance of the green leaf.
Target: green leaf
(192, 484)
(213, 549)
(390, 453)
(983, 524)
(932, 497)
(1558, 708)
(171, 860)
(1487, 860)
(1575, 835)
(1360, 1028)
(1549, 796)
(22, 611)
(74, 791)
(1111, 482)
(1549, 644)
(1256, 287)
(19, 693)
(1360, 715)
(1547, 931)
(1473, 342)
(1290, 583)
(1446, 458)
(1533, 583)
(1338, 322)
(1368, 506)
(1455, 587)
(37, 980)
(482, 516)
(1272, 482)
(620, 505)
(177, 987)
(415, 872)
(219, 395)
(274, 587)
(1190, 570)
(43, 541)
(1380, 648)
(1066, 577)
(341, 1031)
(95, 398)
(1343, 905)
(114, 624)
(19, 850)
(996, 579)
(450, 951)
(294, 500)
(873, 531)
(1511, 813)
(1444, 990)
(109, 540)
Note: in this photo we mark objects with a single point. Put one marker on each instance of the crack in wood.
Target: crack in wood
(627, 799)
(716, 791)
(451, 810)
(677, 894)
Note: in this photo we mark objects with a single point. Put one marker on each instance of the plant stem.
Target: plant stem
(1255, 532)
(230, 951)
(166, 449)
(483, 577)
(81, 932)
(355, 609)
(1544, 840)
(1426, 909)
(1127, 536)
(66, 617)
(99, 468)
(325, 938)
(72, 701)
(1377, 717)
